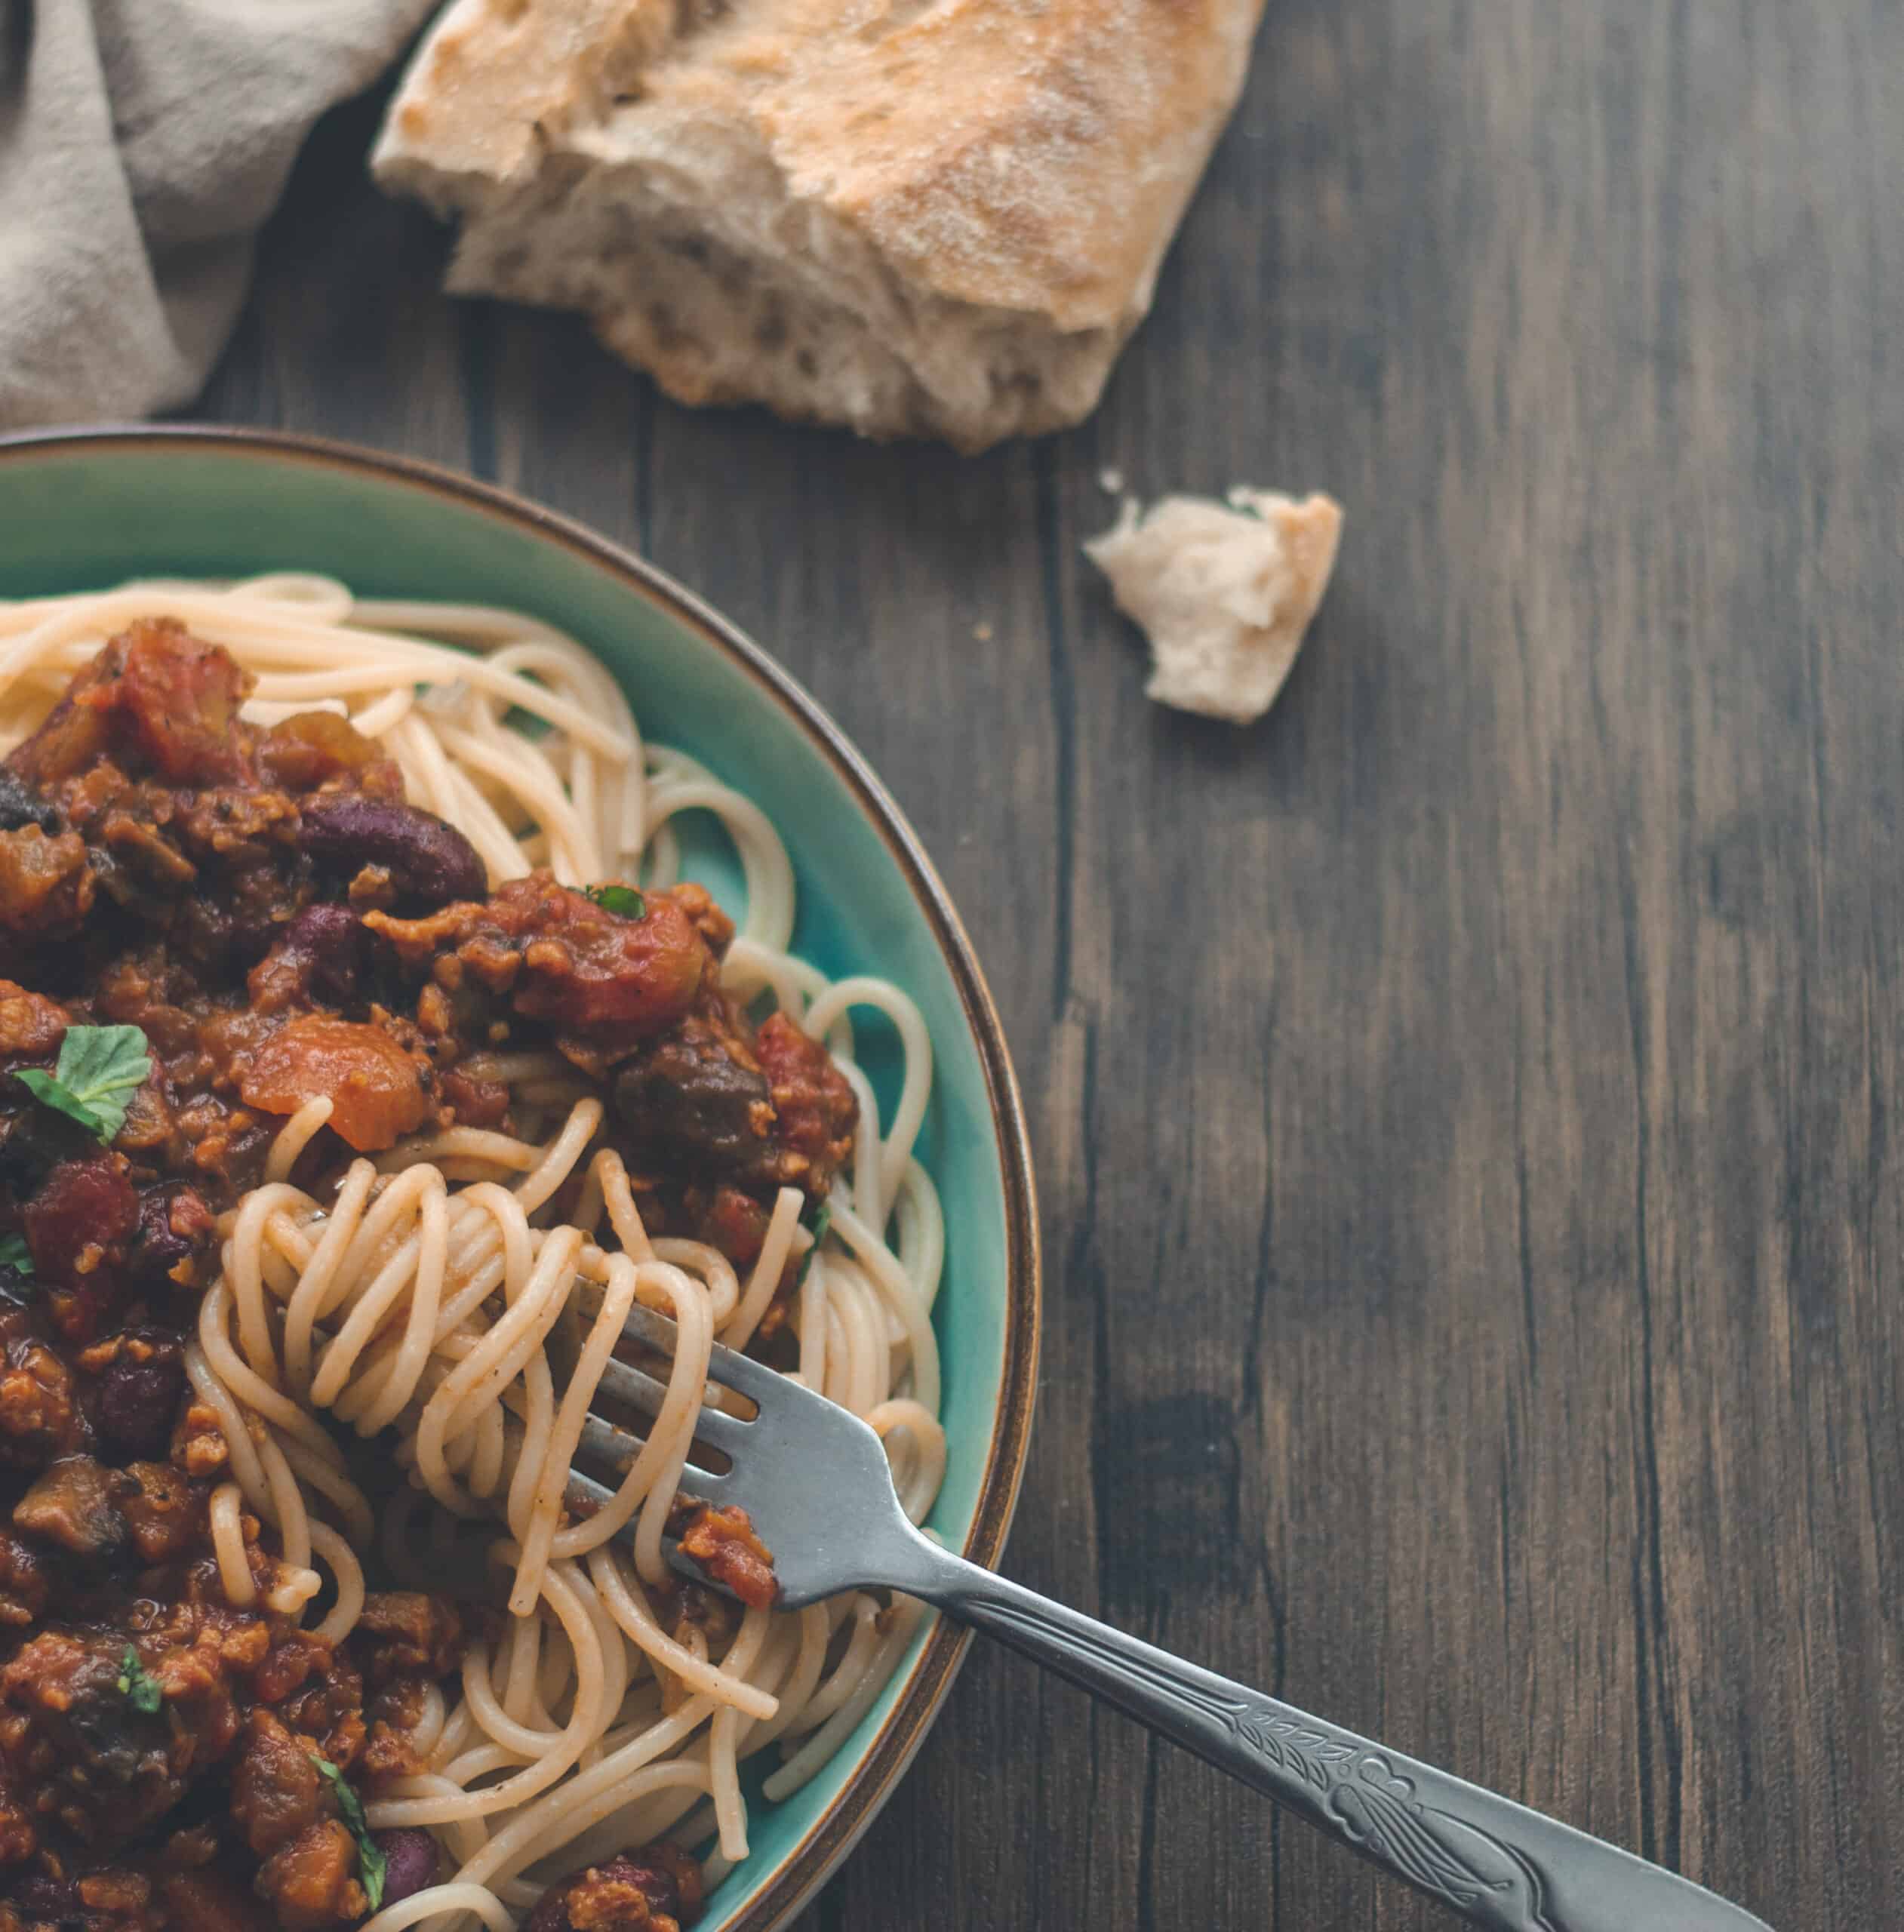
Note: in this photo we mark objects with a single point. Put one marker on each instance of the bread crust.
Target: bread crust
(1010, 171)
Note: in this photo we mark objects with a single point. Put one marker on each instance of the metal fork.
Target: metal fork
(815, 1482)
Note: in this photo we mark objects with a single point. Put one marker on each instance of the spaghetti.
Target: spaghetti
(463, 1289)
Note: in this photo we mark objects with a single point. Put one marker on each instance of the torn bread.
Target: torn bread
(915, 217)
(1224, 593)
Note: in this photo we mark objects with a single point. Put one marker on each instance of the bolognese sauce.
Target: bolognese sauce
(252, 917)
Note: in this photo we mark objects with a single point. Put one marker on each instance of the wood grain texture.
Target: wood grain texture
(1463, 1103)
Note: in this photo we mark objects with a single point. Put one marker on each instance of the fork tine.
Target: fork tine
(743, 1374)
(624, 1382)
(614, 1448)
(587, 1492)
(640, 1390)
(659, 1334)
(617, 1447)
(607, 1444)
(647, 1326)
(727, 1366)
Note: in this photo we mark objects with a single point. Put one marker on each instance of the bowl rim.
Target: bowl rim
(872, 1779)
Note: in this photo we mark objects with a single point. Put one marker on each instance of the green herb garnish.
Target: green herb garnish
(101, 1069)
(622, 900)
(371, 1864)
(821, 1222)
(139, 1690)
(15, 1254)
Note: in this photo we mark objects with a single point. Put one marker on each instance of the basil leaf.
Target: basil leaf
(372, 1865)
(46, 1088)
(101, 1067)
(15, 1254)
(821, 1222)
(622, 900)
(139, 1690)
(372, 1870)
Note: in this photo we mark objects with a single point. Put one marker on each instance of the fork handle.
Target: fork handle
(1497, 1863)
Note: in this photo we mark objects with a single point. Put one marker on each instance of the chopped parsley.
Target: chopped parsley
(101, 1067)
(622, 900)
(139, 1690)
(371, 1864)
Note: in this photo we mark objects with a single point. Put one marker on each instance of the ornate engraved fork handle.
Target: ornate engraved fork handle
(1496, 1862)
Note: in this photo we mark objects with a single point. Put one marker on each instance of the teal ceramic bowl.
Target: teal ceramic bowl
(85, 510)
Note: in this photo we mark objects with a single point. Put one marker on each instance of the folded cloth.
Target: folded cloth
(142, 142)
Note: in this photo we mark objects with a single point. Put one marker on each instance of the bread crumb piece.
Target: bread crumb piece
(981, 633)
(1224, 594)
(1111, 481)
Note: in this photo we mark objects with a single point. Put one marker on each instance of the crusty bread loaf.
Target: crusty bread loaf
(917, 217)
(1225, 595)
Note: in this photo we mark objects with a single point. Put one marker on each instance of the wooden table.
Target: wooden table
(1464, 1104)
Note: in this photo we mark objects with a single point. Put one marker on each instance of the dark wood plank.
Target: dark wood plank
(1463, 1102)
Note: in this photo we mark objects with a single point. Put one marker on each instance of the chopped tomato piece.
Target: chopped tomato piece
(80, 1217)
(177, 699)
(376, 1091)
(815, 1104)
(723, 1543)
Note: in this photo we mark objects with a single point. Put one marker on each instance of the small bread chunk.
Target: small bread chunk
(1225, 595)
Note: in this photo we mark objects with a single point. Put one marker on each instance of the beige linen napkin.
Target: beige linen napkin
(142, 142)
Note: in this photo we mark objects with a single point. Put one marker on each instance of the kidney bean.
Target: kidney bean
(411, 1863)
(429, 861)
(335, 945)
(138, 1399)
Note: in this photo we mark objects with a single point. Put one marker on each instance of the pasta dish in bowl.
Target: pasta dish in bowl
(368, 1056)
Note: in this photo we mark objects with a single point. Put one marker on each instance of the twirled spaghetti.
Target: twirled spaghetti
(458, 1294)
